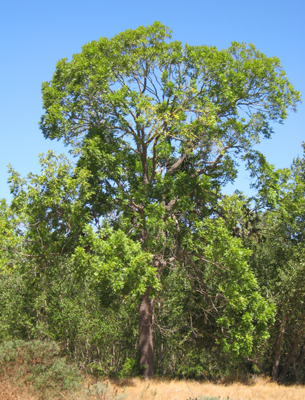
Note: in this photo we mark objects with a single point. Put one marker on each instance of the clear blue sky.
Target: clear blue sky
(35, 34)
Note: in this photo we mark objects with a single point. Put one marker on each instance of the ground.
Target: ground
(161, 389)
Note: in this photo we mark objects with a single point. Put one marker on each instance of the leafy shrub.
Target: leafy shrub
(38, 363)
(130, 368)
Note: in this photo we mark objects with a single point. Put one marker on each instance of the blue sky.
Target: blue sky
(35, 34)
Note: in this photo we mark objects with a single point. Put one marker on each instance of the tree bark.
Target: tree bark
(146, 346)
(277, 355)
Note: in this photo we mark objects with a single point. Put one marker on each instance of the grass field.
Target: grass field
(159, 389)
(182, 390)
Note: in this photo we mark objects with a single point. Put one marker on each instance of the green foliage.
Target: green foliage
(130, 368)
(51, 206)
(94, 326)
(194, 80)
(278, 263)
(9, 238)
(39, 363)
(116, 262)
(227, 284)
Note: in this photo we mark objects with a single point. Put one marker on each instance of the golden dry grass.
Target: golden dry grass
(137, 389)
(14, 392)
(160, 389)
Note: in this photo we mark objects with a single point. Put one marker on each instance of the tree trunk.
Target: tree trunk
(277, 355)
(146, 345)
(291, 356)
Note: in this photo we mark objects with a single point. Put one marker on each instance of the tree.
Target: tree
(278, 261)
(159, 126)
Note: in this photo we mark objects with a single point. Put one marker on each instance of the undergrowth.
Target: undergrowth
(38, 365)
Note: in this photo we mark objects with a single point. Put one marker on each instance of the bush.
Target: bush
(101, 391)
(38, 364)
(130, 368)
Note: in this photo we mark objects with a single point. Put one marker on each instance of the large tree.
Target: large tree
(160, 126)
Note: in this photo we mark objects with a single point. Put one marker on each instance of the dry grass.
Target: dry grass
(14, 392)
(160, 389)
(137, 389)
